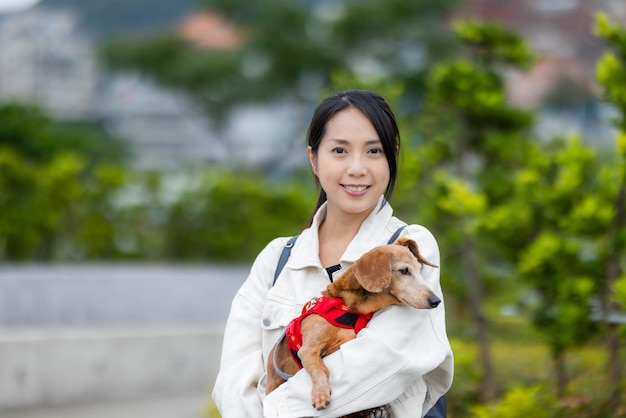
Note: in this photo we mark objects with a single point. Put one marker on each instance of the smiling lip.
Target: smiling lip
(355, 190)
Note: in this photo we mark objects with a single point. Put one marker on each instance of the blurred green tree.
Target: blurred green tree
(611, 73)
(563, 225)
(35, 136)
(476, 140)
(51, 210)
(231, 217)
(51, 184)
(290, 49)
(554, 227)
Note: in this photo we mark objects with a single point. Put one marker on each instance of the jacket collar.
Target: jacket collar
(306, 250)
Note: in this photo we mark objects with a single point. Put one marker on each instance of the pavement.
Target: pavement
(175, 407)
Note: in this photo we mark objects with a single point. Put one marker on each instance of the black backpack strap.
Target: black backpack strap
(396, 234)
(439, 409)
(284, 256)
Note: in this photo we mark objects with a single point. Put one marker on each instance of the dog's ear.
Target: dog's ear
(413, 247)
(373, 270)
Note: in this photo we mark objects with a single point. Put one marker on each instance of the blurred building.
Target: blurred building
(210, 31)
(44, 60)
(168, 131)
(560, 31)
(563, 82)
(165, 130)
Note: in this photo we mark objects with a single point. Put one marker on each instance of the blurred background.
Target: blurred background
(149, 151)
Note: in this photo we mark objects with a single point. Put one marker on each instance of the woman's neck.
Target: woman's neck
(334, 238)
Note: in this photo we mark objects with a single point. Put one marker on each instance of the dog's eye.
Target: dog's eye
(405, 271)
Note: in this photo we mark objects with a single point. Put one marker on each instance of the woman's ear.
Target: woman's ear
(312, 159)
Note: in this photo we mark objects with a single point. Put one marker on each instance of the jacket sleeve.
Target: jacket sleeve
(402, 351)
(241, 366)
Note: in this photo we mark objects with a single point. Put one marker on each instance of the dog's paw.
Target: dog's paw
(320, 397)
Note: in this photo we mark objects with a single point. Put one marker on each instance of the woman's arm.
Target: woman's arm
(397, 349)
(242, 366)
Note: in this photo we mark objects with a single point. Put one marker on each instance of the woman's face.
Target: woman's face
(350, 164)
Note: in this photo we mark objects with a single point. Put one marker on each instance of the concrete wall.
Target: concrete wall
(83, 334)
(41, 367)
(116, 294)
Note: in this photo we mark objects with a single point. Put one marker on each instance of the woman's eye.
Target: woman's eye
(339, 150)
(405, 271)
(376, 151)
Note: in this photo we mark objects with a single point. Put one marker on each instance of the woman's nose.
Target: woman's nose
(357, 166)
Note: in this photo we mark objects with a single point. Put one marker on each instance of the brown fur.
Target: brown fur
(376, 280)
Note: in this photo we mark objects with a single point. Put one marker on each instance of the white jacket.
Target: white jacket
(402, 357)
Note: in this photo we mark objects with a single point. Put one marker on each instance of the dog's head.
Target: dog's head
(395, 270)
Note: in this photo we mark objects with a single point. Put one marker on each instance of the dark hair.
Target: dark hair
(376, 109)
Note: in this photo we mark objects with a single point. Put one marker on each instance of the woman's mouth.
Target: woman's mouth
(354, 189)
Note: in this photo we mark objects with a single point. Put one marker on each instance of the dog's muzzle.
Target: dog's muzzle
(434, 301)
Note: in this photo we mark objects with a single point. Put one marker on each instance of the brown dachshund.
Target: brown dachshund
(386, 275)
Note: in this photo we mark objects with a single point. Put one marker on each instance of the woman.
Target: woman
(402, 358)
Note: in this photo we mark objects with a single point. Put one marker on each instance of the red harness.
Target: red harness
(334, 310)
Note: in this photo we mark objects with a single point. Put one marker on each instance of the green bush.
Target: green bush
(233, 217)
(64, 195)
(519, 402)
(55, 210)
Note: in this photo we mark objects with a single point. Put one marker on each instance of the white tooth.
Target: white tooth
(356, 188)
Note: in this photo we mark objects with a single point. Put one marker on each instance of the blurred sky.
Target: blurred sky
(8, 6)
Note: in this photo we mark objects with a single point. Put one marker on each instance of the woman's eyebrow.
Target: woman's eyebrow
(345, 141)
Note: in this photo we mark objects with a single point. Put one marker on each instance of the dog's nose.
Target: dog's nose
(433, 301)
